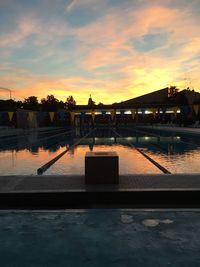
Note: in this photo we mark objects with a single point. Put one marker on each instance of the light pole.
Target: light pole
(6, 89)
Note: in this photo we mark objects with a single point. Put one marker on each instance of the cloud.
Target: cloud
(25, 26)
(123, 48)
(69, 7)
(150, 41)
(78, 4)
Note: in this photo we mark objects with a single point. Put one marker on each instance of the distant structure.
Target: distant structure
(90, 102)
(185, 97)
(6, 89)
(192, 96)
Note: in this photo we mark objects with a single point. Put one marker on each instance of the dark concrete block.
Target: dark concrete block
(101, 168)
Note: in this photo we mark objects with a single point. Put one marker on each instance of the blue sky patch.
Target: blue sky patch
(150, 42)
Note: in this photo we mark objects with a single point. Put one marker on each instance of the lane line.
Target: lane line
(47, 165)
(156, 135)
(160, 167)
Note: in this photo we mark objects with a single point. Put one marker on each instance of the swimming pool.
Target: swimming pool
(103, 237)
(25, 154)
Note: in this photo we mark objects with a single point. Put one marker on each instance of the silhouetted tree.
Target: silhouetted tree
(50, 103)
(31, 103)
(70, 103)
(10, 105)
(100, 104)
(173, 90)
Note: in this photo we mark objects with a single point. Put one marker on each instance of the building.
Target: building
(185, 97)
(156, 97)
(167, 96)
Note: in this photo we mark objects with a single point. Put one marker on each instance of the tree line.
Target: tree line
(50, 103)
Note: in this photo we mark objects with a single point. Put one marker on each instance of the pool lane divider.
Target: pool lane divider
(154, 144)
(41, 139)
(26, 132)
(36, 142)
(156, 135)
(160, 167)
(52, 136)
(158, 145)
(46, 166)
(163, 169)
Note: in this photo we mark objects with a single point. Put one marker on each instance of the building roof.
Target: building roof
(156, 97)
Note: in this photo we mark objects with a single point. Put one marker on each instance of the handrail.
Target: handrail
(46, 166)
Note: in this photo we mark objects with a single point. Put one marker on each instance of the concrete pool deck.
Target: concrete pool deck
(147, 191)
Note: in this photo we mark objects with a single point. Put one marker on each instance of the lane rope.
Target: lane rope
(156, 135)
(47, 165)
(160, 167)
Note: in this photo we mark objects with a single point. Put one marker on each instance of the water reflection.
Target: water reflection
(130, 161)
(24, 154)
(165, 144)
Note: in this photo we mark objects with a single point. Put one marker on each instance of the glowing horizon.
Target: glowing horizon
(114, 50)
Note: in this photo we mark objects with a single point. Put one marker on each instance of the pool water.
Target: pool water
(176, 153)
(24, 161)
(100, 238)
(130, 161)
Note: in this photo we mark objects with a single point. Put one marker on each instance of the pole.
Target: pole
(6, 89)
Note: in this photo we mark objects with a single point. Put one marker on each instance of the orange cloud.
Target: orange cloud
(106, 50)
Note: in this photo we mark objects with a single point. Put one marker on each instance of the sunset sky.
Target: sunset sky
(112, 49)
